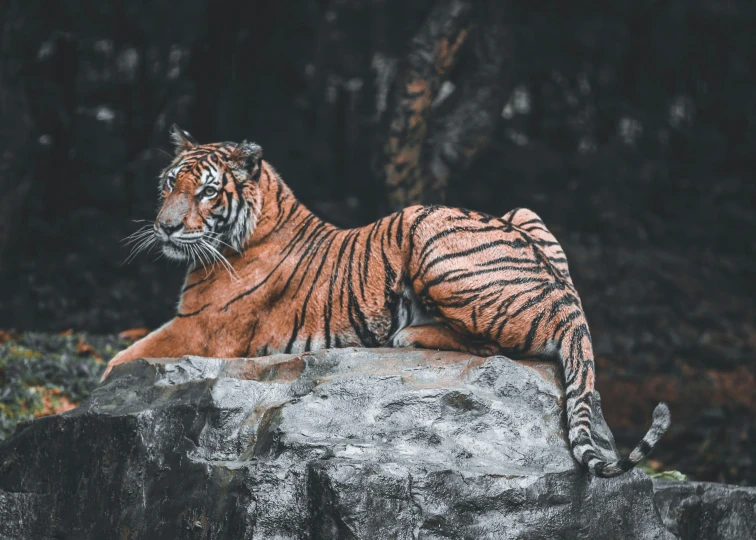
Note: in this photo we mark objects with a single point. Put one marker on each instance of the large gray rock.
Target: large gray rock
(338, 444)
(706, 511)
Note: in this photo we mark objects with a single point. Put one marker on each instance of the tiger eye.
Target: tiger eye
(210, 192)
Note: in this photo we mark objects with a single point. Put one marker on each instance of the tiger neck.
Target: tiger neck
(277, 211)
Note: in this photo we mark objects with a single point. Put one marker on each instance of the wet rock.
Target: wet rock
(337, 444)
(707, 511)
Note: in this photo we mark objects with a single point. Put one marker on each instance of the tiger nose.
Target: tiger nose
(167, 227)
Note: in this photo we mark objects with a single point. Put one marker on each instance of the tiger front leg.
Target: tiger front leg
(170, 340)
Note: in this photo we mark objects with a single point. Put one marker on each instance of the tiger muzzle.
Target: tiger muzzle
(170, 221)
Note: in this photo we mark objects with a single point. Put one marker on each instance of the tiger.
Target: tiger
(267, 276)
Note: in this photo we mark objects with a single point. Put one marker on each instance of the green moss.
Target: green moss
(654, 472)
(45, 373)
(669, 475)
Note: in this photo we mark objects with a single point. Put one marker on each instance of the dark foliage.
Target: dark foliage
(43, 374)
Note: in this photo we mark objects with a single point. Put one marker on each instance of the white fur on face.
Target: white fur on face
(243, 212)
(210, 176)
(172, 252)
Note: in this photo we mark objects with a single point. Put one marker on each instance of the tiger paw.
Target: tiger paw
(118, 359)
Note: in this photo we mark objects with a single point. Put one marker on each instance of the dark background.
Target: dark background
(629, 126)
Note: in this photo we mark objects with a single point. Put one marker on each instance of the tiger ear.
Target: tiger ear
(182, 140)
(247, 156)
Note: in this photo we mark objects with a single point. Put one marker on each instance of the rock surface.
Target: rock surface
(707, 511)
(337, 444)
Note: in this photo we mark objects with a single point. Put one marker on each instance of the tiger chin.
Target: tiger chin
(267, 276)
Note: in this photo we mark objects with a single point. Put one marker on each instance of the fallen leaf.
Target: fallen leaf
(5, 337)
(84, 348)
(53, 401)
(133, 334)
(66, 332)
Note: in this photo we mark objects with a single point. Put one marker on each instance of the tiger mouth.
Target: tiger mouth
(175, 251)
(201, 249)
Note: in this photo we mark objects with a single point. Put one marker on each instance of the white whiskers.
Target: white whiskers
(143, 232)
(143, 243)
(217, 238)
(201, 251)
(213, 252)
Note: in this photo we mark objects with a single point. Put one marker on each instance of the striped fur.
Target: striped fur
(432, 277)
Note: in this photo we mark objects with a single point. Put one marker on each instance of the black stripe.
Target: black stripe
(196, 283)
(443, 234)
(532, 332)
(328, 310)
(250, 334)
(427, 211)
(400, 230)
(294, 333)
(645, 448)
(288, 249)
(567, 320)
(392, 220)
(313, 250)
(477, 249)
(317, 273)
(193, 313)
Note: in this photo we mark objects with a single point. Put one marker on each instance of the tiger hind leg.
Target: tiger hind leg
(506, 281)
(442, 338)
(533, 225)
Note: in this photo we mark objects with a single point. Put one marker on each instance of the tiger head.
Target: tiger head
(210, 198)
